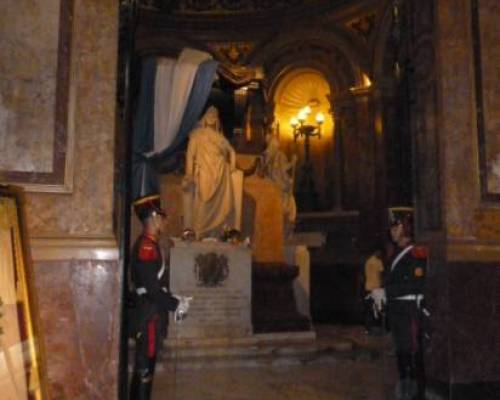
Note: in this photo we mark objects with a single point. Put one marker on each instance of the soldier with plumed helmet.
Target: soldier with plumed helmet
(148, 321)
(404, 294)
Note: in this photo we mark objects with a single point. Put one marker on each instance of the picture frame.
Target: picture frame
(486, 101)
(37, 105)
(22, 364)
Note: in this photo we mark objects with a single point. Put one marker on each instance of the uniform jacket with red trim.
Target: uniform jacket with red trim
(148, 272)
(408, 274)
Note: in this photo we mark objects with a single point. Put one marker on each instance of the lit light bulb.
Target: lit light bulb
(320, 118)
(294, 122)
(302, 116)
(307, 110)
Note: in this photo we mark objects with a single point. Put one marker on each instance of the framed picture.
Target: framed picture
(37, 100)
(486, 50)
(22, 374)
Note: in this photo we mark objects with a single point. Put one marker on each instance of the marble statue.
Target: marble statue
(212, 185)
(281, 171)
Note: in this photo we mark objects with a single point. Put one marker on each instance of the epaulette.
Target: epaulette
(148, 250)
(419, 252)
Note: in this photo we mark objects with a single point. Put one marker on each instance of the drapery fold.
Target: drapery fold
(197, 99)
(172, 96)
(164, 87)
(143, 179)
(173, 85)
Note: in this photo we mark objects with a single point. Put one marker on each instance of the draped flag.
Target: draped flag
(172, 95)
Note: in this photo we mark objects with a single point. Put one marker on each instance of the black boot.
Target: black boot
(134, 388)
(140, 388)
(145, 390)
(406, 389)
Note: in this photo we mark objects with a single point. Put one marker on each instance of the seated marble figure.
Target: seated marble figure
(212, 186)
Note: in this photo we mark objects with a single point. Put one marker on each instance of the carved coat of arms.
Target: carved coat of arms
(211, 269)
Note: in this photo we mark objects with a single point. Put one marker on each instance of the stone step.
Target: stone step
(263, 350)
(259, 344)
(263, 359)
(240, 351)
(249, 361)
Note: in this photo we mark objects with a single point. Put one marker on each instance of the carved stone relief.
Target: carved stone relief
(211, 269)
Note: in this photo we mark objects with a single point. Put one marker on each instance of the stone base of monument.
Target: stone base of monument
(274, 306)
(218, 277)
(233, 298)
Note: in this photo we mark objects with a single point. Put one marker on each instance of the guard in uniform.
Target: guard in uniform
(153, 301)
(403, 293)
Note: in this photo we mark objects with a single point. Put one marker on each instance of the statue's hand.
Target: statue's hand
(187, 183)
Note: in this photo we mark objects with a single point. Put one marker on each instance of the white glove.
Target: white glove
(378, 297)
(182, 308)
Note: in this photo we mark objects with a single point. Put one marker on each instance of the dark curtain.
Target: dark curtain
(144, 179)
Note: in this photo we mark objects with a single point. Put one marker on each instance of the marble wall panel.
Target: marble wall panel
(474, 348)
(458, 141)
(468, 55)
(88, 210)
(79, 309)
(483, 391)
(485, 30)
(474, 299)
(28, 67)
(464, 295)
(465, 345)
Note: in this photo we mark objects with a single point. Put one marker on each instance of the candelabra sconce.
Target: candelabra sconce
(306, 190)
(301, 129)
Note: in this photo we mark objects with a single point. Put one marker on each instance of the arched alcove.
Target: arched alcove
(296, 89)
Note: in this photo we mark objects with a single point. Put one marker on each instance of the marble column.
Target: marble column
(465, 244)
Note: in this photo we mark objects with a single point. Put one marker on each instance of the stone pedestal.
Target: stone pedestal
(218, 276)
(274, 307)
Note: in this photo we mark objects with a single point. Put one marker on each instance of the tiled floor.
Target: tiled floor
(354, 375)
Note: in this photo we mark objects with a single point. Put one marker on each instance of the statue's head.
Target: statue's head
(211, 118)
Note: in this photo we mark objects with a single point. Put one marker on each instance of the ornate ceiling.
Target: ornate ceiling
(234, 5)
(229, 6)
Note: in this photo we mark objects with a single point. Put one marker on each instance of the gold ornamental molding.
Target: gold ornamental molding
(100, 248)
